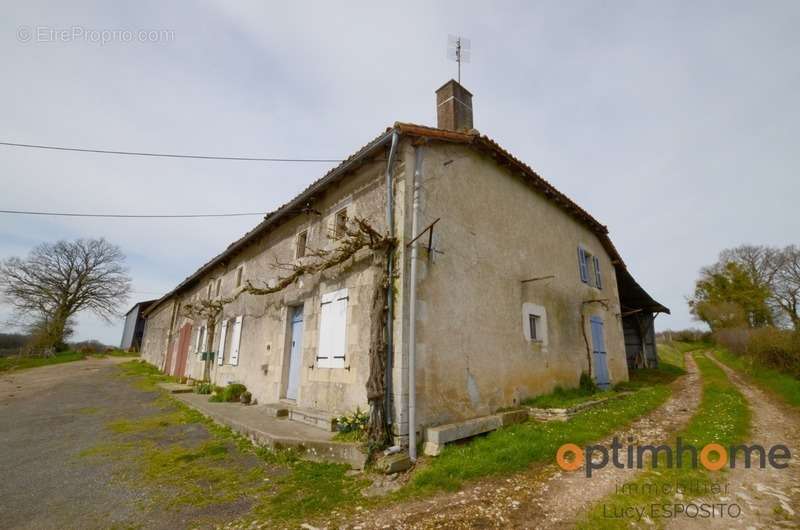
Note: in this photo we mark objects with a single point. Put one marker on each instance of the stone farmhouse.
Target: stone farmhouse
(502, 288)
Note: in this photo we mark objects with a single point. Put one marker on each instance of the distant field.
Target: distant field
(17, 362)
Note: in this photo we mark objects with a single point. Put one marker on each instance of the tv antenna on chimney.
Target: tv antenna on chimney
(458, 50)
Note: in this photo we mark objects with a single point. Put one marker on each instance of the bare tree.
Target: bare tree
(786, 287)
(775, 269)
(59, 280)
(761, 261)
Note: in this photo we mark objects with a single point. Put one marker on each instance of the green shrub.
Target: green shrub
(204, 388)
(233, 392)
(769, 347)
(776, 348)
(246, 397)
(587, 384)
(355, 422)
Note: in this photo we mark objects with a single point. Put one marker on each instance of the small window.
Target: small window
(340, 224)
(302, 240)
(208, 291)
(219, 287)
(589, 265)
(534, 321)
(239, 272)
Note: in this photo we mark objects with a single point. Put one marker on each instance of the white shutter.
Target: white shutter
(332, 330)
(222, 335)
(235, 339)
(197, 339)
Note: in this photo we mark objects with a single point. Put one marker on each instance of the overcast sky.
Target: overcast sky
(674, 123)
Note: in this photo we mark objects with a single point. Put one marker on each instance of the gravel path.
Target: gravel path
(48, 416)
(545, 496)
(769, 498)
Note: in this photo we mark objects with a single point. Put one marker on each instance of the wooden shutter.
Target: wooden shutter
(222, 336)
(235, 339)
(584, 267)
(333, 330)
(197, 339)
(597, 280)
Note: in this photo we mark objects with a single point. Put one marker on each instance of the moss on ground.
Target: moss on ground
(187, 462)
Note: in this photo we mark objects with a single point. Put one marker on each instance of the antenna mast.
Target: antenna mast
(458, 50)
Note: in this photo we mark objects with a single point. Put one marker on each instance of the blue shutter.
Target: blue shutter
(597, 281)
(583, 265)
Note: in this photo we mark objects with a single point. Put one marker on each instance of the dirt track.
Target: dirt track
(545, 496)
(769, 498)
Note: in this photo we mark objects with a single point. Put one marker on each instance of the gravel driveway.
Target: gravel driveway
(48, 417)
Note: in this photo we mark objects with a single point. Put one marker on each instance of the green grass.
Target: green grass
(778, 383)
(564, 398)
(669, 352)
(672, 352)
(722, 417)
(356, 436)
(22, 362)
(515, 448)
(219, 469)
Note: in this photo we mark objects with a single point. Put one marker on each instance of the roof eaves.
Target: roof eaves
(548, 190)
(289, 208)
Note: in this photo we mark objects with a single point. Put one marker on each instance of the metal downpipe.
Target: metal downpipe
(390, 273)
(412, 324)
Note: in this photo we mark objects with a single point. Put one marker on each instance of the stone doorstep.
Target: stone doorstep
(176, 388)
(437, 437)
(316, 418)
(310, 449)
(277, 410)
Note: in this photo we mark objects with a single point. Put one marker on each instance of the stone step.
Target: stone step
(276, 410)
(316, 418)
(176, 388)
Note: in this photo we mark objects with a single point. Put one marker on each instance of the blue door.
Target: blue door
(294, 355)
(599, 353)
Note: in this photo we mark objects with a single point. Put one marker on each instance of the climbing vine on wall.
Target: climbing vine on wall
(358, 234)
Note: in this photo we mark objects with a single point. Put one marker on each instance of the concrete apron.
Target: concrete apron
(262, 427)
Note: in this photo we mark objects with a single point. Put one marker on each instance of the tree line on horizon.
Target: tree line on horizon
(750, 299)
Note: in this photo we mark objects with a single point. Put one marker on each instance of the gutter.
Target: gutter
(390, 276)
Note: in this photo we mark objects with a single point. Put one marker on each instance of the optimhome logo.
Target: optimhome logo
(778, 456)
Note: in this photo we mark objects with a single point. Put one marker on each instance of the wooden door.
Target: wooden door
(293, 381)
(599, 353)
(183, 351)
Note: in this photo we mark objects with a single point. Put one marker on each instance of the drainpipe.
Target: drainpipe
(390, 272)
(412, 324)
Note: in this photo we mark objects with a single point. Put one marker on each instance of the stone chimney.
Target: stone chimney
(453, 107)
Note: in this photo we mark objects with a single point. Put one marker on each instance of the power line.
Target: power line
(131, 216)
(168, 155)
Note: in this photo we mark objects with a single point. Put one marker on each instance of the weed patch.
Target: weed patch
(779, 383)
(213, 468)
